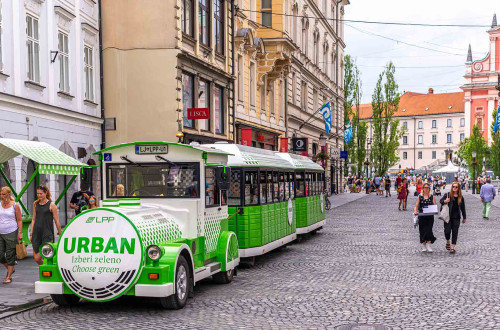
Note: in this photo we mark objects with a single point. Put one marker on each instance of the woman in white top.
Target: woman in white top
(11, 231)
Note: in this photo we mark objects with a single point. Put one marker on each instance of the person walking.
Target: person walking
(80, 198)
(456, 205)
(376, 181)
(44, 215)
(425, 222)
(387, 186)
(419, 186)
(487, 195)
(11, 231)
(402, 194)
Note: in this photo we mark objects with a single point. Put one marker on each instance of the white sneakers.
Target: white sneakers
(426, 248)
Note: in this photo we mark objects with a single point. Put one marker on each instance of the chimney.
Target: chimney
(431, 91)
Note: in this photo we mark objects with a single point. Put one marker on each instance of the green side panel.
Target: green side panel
(301, 212)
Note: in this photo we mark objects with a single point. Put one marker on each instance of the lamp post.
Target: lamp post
(474, 154)
(322, 144)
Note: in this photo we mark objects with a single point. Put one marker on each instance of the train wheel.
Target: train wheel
(224, 277)
(182, 284)
(65, 299)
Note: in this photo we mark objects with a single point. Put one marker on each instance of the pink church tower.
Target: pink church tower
(482, 76)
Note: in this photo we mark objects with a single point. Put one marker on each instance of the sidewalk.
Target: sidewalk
(22, 289)
(342, 199)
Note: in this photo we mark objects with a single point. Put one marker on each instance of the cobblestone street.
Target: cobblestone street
(364, 267)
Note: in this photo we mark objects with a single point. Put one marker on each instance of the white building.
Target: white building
(49, 84)
(434, 125)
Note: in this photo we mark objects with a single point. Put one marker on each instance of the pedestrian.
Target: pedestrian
(398, 181)
(487, 195)
(387, 186)
(42, 226)
(11, 231)
(425, 222)
(79, 200)
(419, 186)
(93, 204)
(376, 181)
(456, 205)
(402, 194)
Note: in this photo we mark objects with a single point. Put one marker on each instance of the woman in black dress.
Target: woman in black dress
(456, 204)
(425, 223)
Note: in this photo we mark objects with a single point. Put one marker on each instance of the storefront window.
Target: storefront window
(251, 188)
(204, 102)
(235, 188)
(219, 110)
(263, 187)
(187, 98)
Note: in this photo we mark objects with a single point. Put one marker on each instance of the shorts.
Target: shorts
(8, 248)
(37, 241)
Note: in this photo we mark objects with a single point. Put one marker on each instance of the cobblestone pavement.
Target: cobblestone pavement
(364, 267)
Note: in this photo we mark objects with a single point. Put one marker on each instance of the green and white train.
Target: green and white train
(175, 214)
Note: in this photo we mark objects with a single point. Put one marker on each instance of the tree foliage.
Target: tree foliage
(474, 143)
(495, 148)
(386, 130)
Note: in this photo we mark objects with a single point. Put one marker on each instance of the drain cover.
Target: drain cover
(357, 326)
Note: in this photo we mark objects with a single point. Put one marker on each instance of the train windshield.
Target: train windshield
(179, 180)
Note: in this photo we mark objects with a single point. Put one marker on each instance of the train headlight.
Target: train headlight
(154, 252)
(47, 251)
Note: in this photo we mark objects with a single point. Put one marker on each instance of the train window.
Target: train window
(300, 189)
(153, 180)
(287, 186)
(263, 187)
(276, 198)
(292, 185)
(315, 183)
(321, 179)
(235, 188)
(269, 187)
(251, 188)
(210, 187)
(282, 186)
(307, 183)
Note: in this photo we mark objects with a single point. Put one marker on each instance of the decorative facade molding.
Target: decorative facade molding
(63, 18)
(90, 34)
(34, 6)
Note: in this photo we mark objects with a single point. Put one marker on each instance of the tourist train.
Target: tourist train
(174, 214)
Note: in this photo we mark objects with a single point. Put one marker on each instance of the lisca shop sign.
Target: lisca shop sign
(198, 113)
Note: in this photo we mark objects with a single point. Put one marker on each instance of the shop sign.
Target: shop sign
(198, 113)
(154, 149)
(343, 154)
(335, 153)
(260, 137)
(299, 144)
(283, 144)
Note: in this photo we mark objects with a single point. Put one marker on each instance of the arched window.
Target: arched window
(295, 13)
(480, 123)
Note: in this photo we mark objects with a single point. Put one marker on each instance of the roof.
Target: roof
(198, 147)
(450, 168)
(300, 162)
(416, 104)
(49, 159)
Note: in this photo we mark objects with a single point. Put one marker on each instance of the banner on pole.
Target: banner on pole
(348, 133)
(326, 112)
(497, 122)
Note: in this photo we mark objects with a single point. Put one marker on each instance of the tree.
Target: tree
(386, 130)
(474, 143)
(356, 149)
(495, 148)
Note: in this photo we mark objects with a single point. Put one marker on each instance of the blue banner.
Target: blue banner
(497, 122)
(343, 155)
(348, 133)
(326, 111)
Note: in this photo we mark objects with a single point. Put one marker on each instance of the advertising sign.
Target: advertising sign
(198, 113)
(299, 144)
(99, 255)
(335, 153)
(343, 154)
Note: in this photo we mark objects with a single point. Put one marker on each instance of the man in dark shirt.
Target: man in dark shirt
(80, 199)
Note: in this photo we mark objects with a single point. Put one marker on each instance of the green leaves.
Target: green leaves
(474, 143)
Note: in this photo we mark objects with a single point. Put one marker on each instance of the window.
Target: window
(405, 125)
(434, 123)
(1, 65)
(420, 139)
(276, 197)
(281, 178)
(240, 78)
(405, 155)
(204, 102)
(434, 138)
(479, 123)
(252, 83)
(315, 149)
(448, 123)
(294, 87)
(266, 12)
(88, 60)
(204, 22)
(234, 197)
(63, 62)
(263, 187)
(262, 99)
(271, 99)
(210, 187)
(187, 17)
(299, 186)
(420, 124)
(448, 138)
(462, 136)
(187, 98)
(405, 140)
(219, 25)
(294, 27)
(281, 110)
(315, 100)
(303, 96)
(219, 109)
(156, 180)
(33, 49)
(462, 122)
(269, 183)
(433, 154)
(420, 155)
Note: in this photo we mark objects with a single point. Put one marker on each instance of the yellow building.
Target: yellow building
(161, 57)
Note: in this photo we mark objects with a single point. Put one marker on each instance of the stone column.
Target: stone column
(489, 114)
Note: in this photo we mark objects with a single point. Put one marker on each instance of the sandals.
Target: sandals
(7, 280)
(452, 251)
(448, 246)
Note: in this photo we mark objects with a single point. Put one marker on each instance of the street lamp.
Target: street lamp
(322, 144)
(474, 154)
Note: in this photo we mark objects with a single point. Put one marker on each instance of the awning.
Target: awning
(49, 159)
(450, 168)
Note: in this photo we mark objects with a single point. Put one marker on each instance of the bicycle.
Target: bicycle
(328, 204)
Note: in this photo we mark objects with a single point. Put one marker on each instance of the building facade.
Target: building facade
(482, 76)
(162, 58)
(50, 87)
(433, 124)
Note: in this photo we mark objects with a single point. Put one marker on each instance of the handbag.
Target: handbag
(415, 221)
(444, 214)
(21, 252)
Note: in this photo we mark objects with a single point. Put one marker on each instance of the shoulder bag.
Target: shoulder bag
(444, 214)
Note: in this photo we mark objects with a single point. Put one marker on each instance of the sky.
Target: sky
(443, 66)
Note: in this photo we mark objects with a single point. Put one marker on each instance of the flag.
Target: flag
(326, 111)
(497, 122)
(348, 133)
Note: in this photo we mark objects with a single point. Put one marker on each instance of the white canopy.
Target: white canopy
(450, 168)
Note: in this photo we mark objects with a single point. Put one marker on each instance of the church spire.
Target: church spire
(469, 55)
(494, 23)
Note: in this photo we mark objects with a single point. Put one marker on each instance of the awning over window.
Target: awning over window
(49, 159)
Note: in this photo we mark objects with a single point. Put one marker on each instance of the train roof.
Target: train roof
(300, 162)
